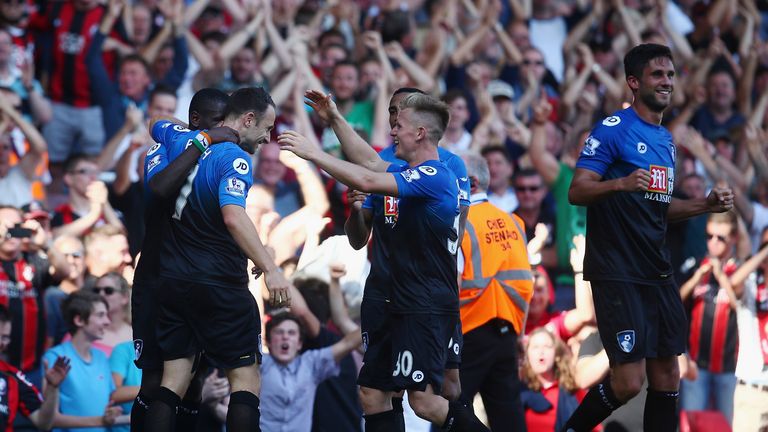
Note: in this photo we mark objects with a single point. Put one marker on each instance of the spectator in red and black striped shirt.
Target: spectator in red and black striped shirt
(713, 339)
(21, 396)
(21, 291)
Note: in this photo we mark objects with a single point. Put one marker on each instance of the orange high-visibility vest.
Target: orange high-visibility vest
(497, 280)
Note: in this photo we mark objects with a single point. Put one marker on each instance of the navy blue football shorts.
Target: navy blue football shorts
(638, 321)
(377, 343)
(144, 320)
(220, 321)
(419, 353)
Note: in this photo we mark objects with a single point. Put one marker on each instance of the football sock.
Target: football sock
(186, 418)
(660, 411)
(461, 419)
(243, 412)
(382, 422)
(161, 416)
(139, 412)
(597, 405)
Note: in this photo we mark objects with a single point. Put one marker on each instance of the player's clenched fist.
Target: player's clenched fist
(720, 199)
(638, 181)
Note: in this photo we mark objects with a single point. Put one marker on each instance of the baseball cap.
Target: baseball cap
(499, 88)
(35, 210)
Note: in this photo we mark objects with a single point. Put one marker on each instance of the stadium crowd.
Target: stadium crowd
(525, 81)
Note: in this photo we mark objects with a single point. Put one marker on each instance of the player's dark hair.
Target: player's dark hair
(408, 90)
(248, 99)
(315, 293)
(161, 89)
(208, 102)
(280, 318)
(5, 314)
(431, 110)
(639, 57)
(79, 304)
(73, 160)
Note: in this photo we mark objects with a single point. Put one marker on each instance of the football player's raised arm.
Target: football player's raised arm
(167, 182)
(587, 186)
(354, 176)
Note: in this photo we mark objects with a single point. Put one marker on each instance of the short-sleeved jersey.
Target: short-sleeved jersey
(384, 215)
(424, 239)
(626, 231)
(198, 246)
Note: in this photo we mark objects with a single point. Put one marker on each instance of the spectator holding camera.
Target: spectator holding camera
(21, 288)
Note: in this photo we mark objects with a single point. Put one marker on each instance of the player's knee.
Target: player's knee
(374, 401)
(664, 374)
(425, 405)
(627, 386)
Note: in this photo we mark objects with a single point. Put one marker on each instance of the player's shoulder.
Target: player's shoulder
(452, 161)
(615, 123)
(435, 168)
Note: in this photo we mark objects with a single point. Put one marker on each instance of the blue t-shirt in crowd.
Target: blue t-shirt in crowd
(121, 363)
(86, 390)
(626, 231)
(199, 248)
(384, 216)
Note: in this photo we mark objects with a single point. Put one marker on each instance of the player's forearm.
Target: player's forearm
(242, 230)
(357, 230)
(355, 148)
(167, 182)
(680, 209)
(354, 176)
(584, 192)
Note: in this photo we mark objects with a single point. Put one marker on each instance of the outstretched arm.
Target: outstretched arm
(357, 150)
(354, 176)
(719, 200)
(340, 349)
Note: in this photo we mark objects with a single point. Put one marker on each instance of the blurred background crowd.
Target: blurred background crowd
(525, 81)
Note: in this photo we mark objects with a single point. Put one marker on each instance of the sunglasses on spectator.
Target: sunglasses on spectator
(74, 254)
(106, 290)
(528, 188)
(533, 62)
(85, 171)
(719, 238)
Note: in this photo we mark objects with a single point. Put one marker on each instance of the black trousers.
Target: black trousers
(489, 367)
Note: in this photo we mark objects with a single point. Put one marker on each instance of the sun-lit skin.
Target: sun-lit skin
(93, 329)
(653, 90)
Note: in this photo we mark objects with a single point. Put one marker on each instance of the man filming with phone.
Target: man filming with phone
(21, 289)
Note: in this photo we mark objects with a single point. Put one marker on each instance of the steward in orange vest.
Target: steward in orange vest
(496, 287)
(497, 280)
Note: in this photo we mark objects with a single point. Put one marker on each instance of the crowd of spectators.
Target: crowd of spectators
(525, 81)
